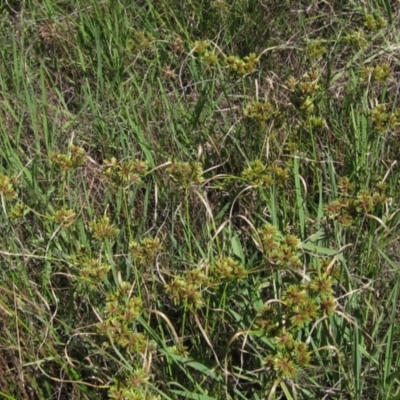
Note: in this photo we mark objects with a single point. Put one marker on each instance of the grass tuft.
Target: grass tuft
(199, 200)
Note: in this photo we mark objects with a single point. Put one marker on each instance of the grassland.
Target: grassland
(199, 199)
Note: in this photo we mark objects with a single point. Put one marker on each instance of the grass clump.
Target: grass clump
(199, 200)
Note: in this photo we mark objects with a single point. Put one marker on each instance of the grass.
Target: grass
(199, 200)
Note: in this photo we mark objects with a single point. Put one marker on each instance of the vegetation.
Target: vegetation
(199, 199)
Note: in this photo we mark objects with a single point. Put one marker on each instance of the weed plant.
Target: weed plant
(199, 199)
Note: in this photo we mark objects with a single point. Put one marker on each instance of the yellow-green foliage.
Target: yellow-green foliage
(199, 200)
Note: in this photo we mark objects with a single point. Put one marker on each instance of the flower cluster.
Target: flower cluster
(71, 160)
(102, 229)
(300, 304)
(350, 204)
(91, 270)
(121, 311)
(64, 217)
(379, 73)
(242, 66)
(374, 23)
(146, 250)
(18, 211)
(141, 41)
(6, 187)
(203, 48)
(281, 251)
(315, 50)
(126, 392)
(186, 290)
(186, 174)
(293, 356)
(356, 39)
(382, 119)
(304, 91)
(315, 122)
(124, 172)
(257, 174)
(261, 111)
(227, 269)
